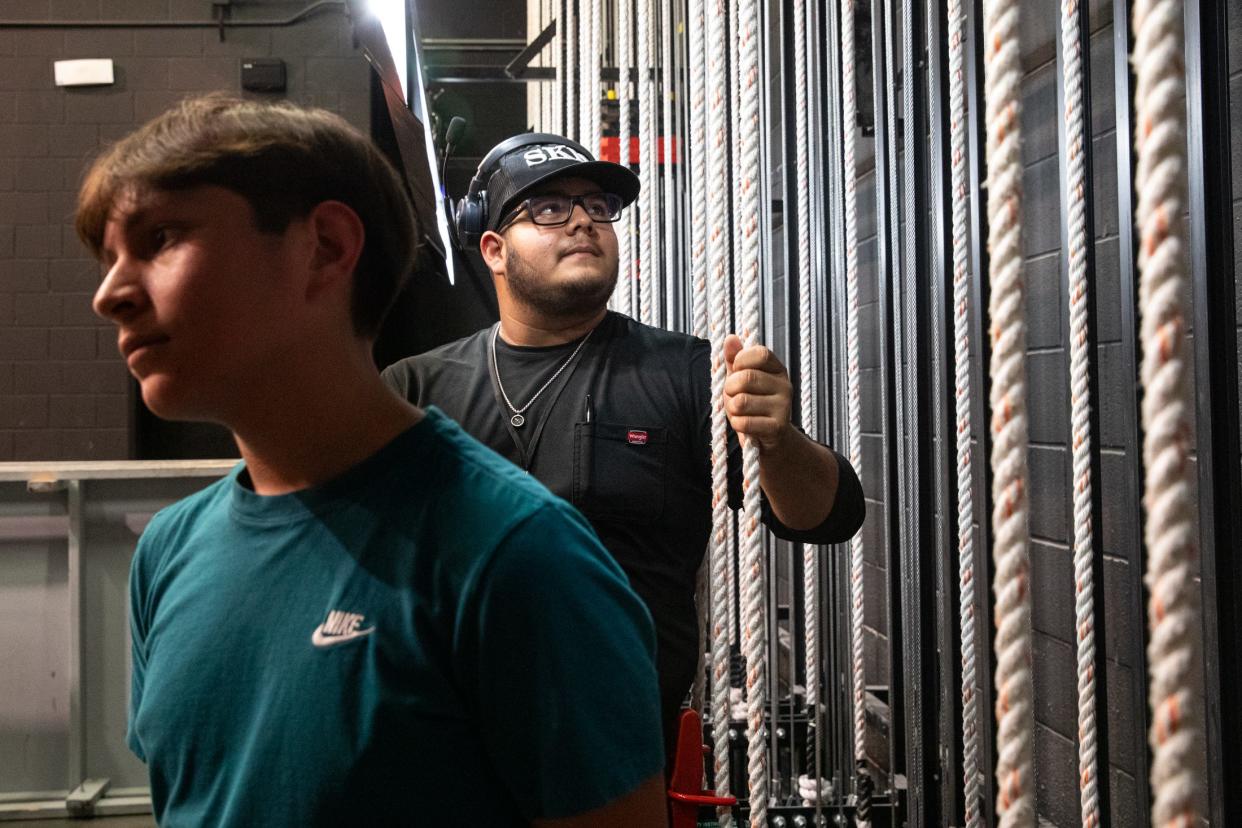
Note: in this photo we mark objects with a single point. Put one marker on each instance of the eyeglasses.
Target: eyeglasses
(555, 210)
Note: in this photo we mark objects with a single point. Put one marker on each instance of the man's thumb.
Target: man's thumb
(732, 347)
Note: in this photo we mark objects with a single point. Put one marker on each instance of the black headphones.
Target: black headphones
(470, 217)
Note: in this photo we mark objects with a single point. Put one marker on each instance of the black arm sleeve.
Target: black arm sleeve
(848, 511)
(842, 523)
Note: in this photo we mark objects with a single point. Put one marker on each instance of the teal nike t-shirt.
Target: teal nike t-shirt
(431, 638)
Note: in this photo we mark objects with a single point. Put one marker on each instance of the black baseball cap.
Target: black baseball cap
(526, 167)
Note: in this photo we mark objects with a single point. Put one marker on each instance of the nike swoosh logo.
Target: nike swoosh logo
(321, 639)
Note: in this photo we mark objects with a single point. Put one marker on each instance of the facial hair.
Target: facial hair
(568, 299)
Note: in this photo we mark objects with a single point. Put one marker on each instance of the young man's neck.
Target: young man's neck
(531, 331)
(311, 432)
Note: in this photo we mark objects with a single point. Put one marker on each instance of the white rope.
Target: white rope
(731, 534)
(729, 241)
(1173, 653)
(1003, 73)
(735, 150)
(737, 705)
(623, 298)
(961, 337)
(589, 20)
(721, 551)
(697, 157)
(849, 117)
(812, 790)
(747, 275)
(806, 349)
(698, 258)
(591, 88)
(598, 13)
(571, 70)
(648, 197)
(1080, 410)
(667, 133)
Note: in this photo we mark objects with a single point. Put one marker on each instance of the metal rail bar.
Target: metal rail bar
(889, 363)
(941, 314)
(77, 635)
(517, 67)
(918, 615)
(829, 201)
(799, 662)
(1132, 397)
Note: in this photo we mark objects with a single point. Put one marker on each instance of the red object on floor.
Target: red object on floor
(685, 789)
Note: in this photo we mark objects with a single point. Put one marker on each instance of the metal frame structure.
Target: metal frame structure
(93, 508)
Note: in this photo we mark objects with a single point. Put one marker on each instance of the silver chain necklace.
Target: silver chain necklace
(518, 420)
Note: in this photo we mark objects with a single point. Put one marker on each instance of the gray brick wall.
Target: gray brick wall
(1049, 455)
(64, 393)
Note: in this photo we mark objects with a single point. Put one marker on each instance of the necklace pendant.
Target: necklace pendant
(517, 421)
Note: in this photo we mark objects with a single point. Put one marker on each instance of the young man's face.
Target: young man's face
(562, 271)
(200, 298)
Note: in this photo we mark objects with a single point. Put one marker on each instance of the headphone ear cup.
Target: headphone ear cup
(469, 222)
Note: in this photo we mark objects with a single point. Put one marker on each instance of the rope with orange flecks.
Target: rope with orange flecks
(1080, 410)
(716, 146)
(1173, 654)
(849, 117)
(748, 207)
(1003, 77)
(698, 265)
(961, 337)
(648, 198)
(623, 298)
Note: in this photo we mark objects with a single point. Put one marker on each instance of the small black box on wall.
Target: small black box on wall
(263, 74)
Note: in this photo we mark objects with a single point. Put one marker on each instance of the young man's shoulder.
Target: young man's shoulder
(206, 501)
(170, 526)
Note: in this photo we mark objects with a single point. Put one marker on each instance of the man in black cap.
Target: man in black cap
(610, 414)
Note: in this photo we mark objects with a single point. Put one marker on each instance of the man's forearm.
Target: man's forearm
(799, 477)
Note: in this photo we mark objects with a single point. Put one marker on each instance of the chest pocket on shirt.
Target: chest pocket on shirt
(619, 471)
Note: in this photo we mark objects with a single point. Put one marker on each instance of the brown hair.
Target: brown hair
(284, 160)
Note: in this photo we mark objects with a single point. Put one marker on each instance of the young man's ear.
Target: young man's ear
(492, 248)
(339, 237)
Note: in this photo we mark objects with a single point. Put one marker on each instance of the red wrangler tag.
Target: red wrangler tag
(636, 438)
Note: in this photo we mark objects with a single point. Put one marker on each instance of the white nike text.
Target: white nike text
(339, 627)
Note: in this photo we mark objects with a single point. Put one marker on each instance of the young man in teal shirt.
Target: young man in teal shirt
(373, 619)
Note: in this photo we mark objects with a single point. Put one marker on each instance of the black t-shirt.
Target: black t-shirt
(624, 435)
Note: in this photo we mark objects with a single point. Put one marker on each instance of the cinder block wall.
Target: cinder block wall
(64, 392)
(1056, 759)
